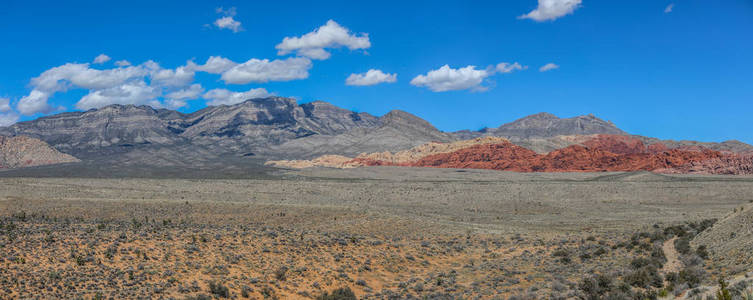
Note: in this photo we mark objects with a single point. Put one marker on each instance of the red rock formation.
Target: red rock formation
(629, 155)
(623, 144)
(504, 156)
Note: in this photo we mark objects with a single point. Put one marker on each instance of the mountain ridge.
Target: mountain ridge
(281, 128)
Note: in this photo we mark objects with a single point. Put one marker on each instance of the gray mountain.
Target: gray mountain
(112, 127)
(272, 128)
(546, 125)
(396, 130)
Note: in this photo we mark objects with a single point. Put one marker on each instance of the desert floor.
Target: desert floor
(382, 232)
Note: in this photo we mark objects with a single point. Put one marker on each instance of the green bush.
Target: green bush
(338, 294)
(219, 289)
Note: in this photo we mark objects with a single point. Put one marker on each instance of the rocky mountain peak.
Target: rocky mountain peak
(549, 125)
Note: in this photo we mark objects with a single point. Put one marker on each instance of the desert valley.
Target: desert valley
(271, 199)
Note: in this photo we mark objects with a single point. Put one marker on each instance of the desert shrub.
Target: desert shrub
(702, 252)
(563, 255)
(723, 292)
(677, 230)
(693, 276)
(645, 277)
(338, 294)
(640, 262)
(596, 287)
(683, 245)
(246, 291)
(281, 273)
(702, 225)
(219, 289)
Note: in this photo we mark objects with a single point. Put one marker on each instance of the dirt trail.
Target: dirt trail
(673, 263)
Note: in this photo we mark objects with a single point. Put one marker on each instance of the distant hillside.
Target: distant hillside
(22, 151)
(280, 128)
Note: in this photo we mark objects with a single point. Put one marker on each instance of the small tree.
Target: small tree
(723, 292)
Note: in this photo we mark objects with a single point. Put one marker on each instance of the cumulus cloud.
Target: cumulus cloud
(510, 67)
(122, 85)
(102, 58)
(137, 93)
(264, 70)
(226, 97)
(669, 8)
(122, 63)
(548, 67)
(449, 79)
(149, 83)
(177, 99)
(371, 77)
(80, 75)
(35, 102)
(227, 21)
(214, 65)
(4, 105)
(552, 9)
(330, 35)
(179, 77)
(8, 119)
(191, 92)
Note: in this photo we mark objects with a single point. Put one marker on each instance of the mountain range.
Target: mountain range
(280, 128)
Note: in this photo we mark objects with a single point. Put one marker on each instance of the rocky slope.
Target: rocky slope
(280, 128)
(396, 130)
(730, 240)
(22, 151)
(547, 125)
(595, 153)
(403, 157)
(602, 153)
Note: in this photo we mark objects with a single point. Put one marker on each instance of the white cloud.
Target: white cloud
(122, 63)
(330, 35)
(264, 70)
(227, 21)
(191, 92)
(102, 58)
(177, 99)
(150, 84)
(4, 105)
(214, 65)
(548, 67)
(122, 85)
(509, 68)
(35, 102)
(8, 119)
(179, 77)
(129, 93)
(80, 75)
(669, 8)
(552, 9)
(449, 79)
(226, 97)
(371, 77)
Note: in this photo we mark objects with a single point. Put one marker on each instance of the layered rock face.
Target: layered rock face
(602, 153)
(22, 151)
(594, 154)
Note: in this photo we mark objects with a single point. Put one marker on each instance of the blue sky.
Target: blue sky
(680, 74)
